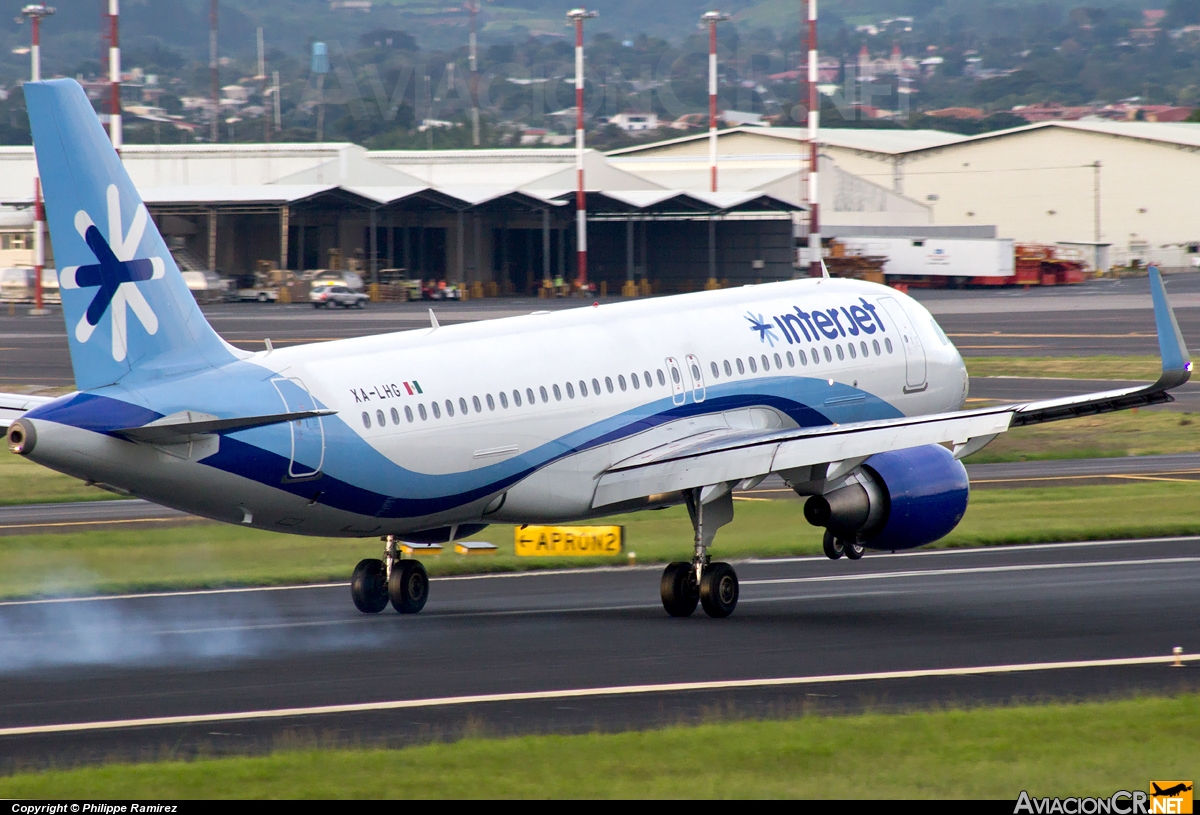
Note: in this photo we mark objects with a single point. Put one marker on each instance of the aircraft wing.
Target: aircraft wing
(14, 405)
(816, 453)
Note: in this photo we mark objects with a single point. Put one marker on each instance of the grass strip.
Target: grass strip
(1098, 367)
(1062, 750)
(210, 555)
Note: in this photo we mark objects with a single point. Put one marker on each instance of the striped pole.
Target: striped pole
(214, 73)
(712, 18)
(472, 44)
(578, 16)
(814, 115)
(35, 13)
(114, 75)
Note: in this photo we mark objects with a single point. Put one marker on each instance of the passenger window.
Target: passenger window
(850, 348)
(462, 405)
(875, 345)
(766, 363)
(779, 362)
(449, 407)
(379, 417)
(571, 391)
(863, 345)
(366, 420)
(841, 354)
(695, 372)
(503, 400)
(649, 381)
(887, 343)
(753, 365)
(803, 357)
(791, 360)
(741, 368)
(621, 381)
(408, 413)
(633, 377)
(728, 370)
(529, 395)
(716, 371)
(828, 356)
(542, 391)
(662, 380)
(608, 383)
(582, 388)
(437, 411)
(421, 412)
(558, 393)
(491, 402)
(516, 397)
(395, 416)
(596, 387)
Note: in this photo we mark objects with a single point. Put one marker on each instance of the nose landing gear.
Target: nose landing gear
(403, 582)
(703, 582)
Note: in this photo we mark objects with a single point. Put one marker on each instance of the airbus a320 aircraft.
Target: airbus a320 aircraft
(847, 390)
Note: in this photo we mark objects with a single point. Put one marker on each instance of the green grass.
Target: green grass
(1127, 433)
(207, 555)
(1062, 750)
(1097, 367)
(23, 482)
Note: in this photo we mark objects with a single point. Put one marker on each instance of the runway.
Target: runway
(1028, 389)
(1097, 317)
(246, 670)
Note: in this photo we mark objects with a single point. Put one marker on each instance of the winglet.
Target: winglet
(1176, 362)
(434, 325)
(824, 268)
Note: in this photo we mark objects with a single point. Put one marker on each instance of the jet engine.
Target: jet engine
(897, 500)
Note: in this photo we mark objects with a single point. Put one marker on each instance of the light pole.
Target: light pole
(578, 15)
(114, 75)
(473, 8)
(36, 12)
(712, 18)
(214, 70)
(320, 67)
(814, 117)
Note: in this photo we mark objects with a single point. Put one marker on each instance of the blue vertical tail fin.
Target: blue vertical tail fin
(127, 308)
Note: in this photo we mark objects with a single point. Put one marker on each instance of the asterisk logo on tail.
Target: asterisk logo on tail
(115, 276)
(765, 332)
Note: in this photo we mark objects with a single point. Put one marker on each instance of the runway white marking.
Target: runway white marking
(580, 693)
(1027, 567)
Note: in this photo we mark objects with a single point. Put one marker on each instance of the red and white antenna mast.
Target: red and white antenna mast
(36, 12)
(712, 18)
(814, 121)
(578, 15)
(114, 74)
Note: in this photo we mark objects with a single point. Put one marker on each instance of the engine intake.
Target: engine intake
(897, 500)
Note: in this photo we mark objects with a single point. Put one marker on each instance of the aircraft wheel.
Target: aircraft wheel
(678, 589)
(833, 547)
(368, 588)
(853, 549)
(719, 590)
(409, 587)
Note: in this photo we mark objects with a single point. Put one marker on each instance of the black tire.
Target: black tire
(262, 297)
(368, 587)
(853, 549)
(409, 587)
(832, 546)
(719, 590)
(362, 303)
(316, 305)
(679, 591)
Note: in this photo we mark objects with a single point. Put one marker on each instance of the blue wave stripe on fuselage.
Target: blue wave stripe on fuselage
(358, 478)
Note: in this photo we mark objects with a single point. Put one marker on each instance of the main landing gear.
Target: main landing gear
(403, 582)
(835, 547)
(712, 585)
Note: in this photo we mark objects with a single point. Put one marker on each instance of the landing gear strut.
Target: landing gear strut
(711, 585)
(403, 582)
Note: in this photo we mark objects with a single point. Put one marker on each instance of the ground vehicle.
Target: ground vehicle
(326, 296)
(206, 286)
(17, 285)
(333, 277)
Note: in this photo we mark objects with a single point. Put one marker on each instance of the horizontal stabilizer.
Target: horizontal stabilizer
(183, 426)
(14, 405)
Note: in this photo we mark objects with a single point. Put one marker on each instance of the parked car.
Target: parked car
(333, 277)
(344, 296)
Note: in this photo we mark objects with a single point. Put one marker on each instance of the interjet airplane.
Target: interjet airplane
(848, 391)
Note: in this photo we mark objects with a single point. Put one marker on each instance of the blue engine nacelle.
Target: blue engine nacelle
(898, 500)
